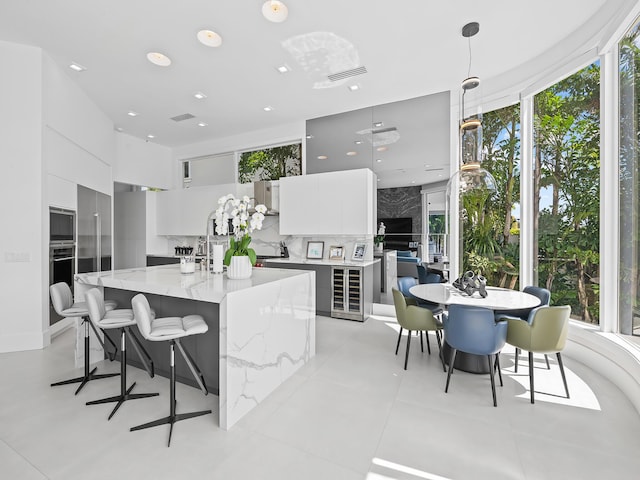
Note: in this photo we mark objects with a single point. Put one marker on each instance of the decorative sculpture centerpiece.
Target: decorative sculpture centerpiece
(239, 257)
(470, 283)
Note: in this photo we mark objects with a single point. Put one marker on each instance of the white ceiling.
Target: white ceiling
(410, 48)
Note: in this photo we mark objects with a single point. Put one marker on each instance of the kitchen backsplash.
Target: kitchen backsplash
(267, 242)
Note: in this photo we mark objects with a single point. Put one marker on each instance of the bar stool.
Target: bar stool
(123, 320)
(63, 304)
(170, 329)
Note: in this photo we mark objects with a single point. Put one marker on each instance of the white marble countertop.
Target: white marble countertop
(167, 280)
(309, 261)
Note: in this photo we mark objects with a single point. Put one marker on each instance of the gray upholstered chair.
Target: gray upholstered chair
(63, 304)
(123, 320)
(170, 329)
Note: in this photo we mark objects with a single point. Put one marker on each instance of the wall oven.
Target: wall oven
(62, 251)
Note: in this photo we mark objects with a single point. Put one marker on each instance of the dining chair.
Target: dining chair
(414, 318)
(405, 284)
(524, 313)
(544, 332)
(425, 276)
(473, 330)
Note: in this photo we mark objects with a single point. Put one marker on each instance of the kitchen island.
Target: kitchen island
(261, 330)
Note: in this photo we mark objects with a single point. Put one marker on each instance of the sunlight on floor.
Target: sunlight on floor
(403, 469)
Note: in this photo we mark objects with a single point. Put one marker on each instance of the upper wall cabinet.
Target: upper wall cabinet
(332, 203)
(184, 212)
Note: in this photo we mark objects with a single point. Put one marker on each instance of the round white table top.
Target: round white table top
(497, 298)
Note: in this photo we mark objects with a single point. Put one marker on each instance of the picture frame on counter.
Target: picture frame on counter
(358, 251)
(315, 250)
(336, 252)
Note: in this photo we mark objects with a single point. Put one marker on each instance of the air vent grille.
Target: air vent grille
(334, 77)
(183, 117)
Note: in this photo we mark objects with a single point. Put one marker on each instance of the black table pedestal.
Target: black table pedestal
(467, 362)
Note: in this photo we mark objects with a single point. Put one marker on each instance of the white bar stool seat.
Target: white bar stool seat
(170, 329)
(63, 304)
(123, 320)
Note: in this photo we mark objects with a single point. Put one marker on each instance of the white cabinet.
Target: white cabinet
(184, 212)
(332, 203)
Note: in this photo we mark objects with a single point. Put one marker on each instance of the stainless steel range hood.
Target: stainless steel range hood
(267, 192)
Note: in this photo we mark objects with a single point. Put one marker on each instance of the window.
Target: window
(491, 228)
(567, 192)
(629, 183)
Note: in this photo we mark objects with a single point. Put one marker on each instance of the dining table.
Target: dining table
(498, 299)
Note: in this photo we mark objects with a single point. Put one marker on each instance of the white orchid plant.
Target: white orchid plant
(243, 223)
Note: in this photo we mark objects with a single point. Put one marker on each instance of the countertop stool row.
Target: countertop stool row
(100, 314)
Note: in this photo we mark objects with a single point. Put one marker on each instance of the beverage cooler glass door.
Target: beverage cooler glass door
(94, 231)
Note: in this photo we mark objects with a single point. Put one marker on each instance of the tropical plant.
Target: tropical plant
(270, 164)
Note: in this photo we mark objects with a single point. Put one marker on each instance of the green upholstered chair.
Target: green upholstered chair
(544, 332)
(414, 318)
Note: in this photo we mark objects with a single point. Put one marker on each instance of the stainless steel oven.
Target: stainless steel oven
(62, 225)
(62, 268)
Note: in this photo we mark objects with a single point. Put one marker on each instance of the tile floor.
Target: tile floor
(351, 413)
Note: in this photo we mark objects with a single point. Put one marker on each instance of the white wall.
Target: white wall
(23, 256)
(139, 162)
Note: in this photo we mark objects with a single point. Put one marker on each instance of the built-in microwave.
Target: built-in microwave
(62, 225)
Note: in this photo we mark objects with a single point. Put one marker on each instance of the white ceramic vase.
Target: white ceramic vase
(239, 268)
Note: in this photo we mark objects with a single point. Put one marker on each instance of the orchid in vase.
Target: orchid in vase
(242, 222)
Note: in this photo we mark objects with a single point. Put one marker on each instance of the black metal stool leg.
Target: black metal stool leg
(125, 394)
(173, 417)
(88, 375)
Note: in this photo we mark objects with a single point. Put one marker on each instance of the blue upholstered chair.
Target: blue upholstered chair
(526, 314)
(474, 330)
(405, 283)
(425, 276)
(406, 263)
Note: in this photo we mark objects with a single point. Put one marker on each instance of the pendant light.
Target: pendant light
(471, 175)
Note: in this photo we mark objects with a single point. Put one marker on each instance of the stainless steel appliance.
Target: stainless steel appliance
(62, 251)
(94, 231)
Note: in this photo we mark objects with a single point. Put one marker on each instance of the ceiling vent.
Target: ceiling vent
(183, 117)
(334, 77)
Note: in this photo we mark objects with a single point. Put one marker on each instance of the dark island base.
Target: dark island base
(204, 348)
(467, 362)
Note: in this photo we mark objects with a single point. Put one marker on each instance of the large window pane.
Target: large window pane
(490, 227)
(629, 65)
(567, 192)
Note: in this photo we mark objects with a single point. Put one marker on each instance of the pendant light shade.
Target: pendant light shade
(275, 11)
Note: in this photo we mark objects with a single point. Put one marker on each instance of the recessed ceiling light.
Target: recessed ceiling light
(309, 137)
(131, 113)
(427, 165)
(200, 95)
(283, 69)
(381, 149)
(379, 160)
(77, 67)
(358, 142)
(209, 38)
(355, 87)
(413, 181)
(151, 136)
(159, 59)
(322, 157)
(275, 11)
(378, 124)
(352, 153)
(202, 124)
(378, 179)
(119, 129)
(268, 109)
